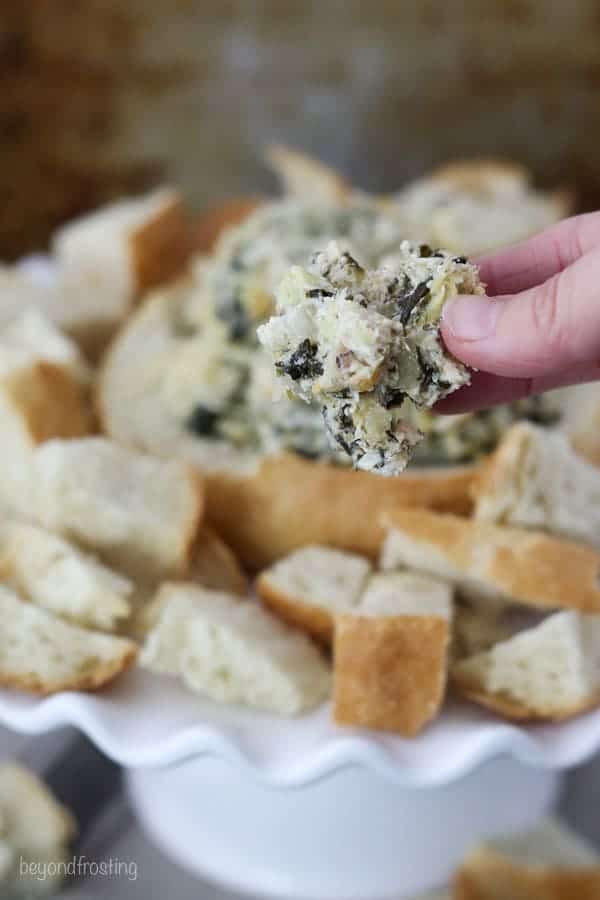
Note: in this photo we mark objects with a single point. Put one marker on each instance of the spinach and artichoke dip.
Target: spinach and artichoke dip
(362, 342)
(218, 382)
(251, 259)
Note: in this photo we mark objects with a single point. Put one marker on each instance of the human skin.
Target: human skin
(538, 327)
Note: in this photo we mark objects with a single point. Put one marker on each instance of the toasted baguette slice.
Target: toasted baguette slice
(109, 258)
(290, 502)
(38, 400)
(52, 573)
(210, 225)
(214, 565)
(312, 585)
(550, 863)
(35, 332)
(140, 514)
(234, 651)
(391, 654)
(550, 671)
(580, 407)
(475, 206)
(306, 178)
(536, 480)
(41, 653)
(35, 819)
(493, 563)
(35, 830)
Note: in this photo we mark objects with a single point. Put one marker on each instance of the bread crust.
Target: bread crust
(525, 566)
(389, 671)
(160, 246)
(51, 401)
(315, 620)
(215, 565)
(290, 502)
(501, 703)
(208, 227)
(306, 178)
(487, 875)
(84, 681)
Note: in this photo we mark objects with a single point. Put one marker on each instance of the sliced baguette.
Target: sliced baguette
(139, 513)
(43, 654)
(35, 332)
(306, 178)
(391, 654)
(550, 863)
(311, 586)
(290, 502)
(108, 258)
(210, 225)
(233, 651)
(550, 671)
(35, 819)
(53, 574)
(475, 206)
(35, 830)
(536, 480)
(38, 400)
(488, 562)
(214, 565)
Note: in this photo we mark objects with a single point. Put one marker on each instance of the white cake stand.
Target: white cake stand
(303, 809)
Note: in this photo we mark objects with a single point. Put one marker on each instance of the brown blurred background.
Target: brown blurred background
(100, 97)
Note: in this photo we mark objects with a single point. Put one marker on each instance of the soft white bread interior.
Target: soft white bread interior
(233, 651)
(50, 572)
(35, 829)
(39, 399)
(312, 585)
(306, 178)
(37, 333)
(139, 513)
(391, 654)
(108, 258)
(488, 562)
(536, 480)
(580, 418)
(41, 653)
(475, 206)
(550, 671)
(548, 863)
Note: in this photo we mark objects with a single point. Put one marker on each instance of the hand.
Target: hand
(539, 326)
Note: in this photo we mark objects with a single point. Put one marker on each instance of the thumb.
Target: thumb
(549, 329)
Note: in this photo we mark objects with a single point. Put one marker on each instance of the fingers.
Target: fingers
(488, 390)
(546, 330)
(534, 261)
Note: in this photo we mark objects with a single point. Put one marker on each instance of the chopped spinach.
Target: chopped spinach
(202, 421)
(303, 362)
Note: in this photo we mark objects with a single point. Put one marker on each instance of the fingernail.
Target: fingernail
(470, 318)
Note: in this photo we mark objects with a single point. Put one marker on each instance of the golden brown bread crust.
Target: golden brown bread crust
(471, 688)
(161, 246)
(215, 565)
(92, 680)
(389, 672)
(291, 502)
(315, 620)
(209, 226)
(307, 178)
(527, 566)
(487, 875)
(53, 403)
